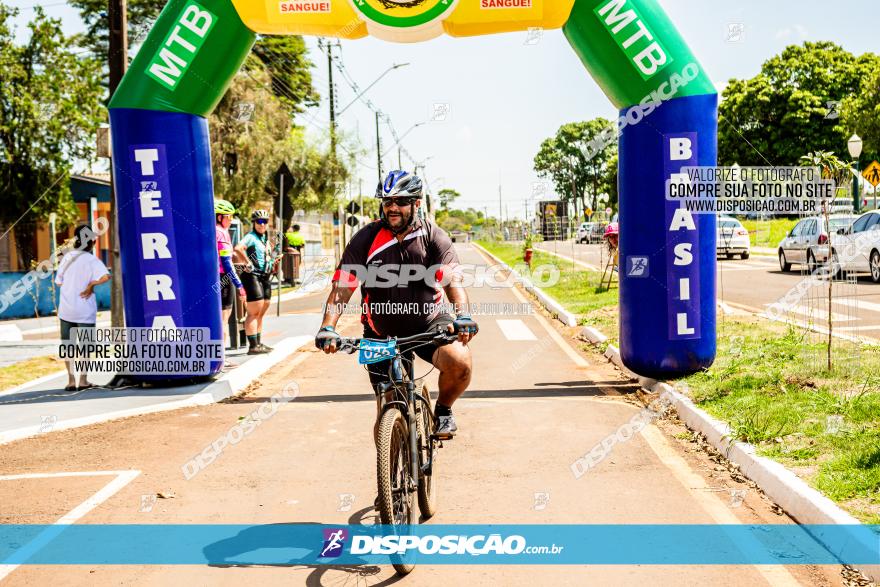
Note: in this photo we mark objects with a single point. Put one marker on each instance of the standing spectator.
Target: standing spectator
(79, 273)
(229, 281)
(295, 239)
(257, 280)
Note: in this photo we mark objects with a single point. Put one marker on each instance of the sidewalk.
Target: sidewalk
(44, 406)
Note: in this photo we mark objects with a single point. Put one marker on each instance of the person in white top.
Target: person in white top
(78, 275)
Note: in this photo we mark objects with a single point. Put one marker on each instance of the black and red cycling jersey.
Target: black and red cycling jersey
(398, 310)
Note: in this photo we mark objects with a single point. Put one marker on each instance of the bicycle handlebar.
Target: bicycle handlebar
(440, 336)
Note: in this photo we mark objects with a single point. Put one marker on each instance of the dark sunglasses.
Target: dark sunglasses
(399, 202)
(262, 221)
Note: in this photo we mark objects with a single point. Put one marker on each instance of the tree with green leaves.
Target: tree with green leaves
(861, 115)
(447, 196)
(284, 57)
(576, 176)
(50, 108)
(252, 134)
(789, 108)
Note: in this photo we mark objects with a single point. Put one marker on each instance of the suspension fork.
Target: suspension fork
(413, 431)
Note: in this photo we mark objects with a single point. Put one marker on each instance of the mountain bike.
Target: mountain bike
(405, 439)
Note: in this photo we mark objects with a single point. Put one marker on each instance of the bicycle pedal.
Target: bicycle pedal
(442, 437)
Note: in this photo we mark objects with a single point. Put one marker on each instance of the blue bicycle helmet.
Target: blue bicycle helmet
(400, 183)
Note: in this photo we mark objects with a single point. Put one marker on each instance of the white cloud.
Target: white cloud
(796, 32)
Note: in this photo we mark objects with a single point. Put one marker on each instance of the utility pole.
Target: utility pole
(117, 14)
(329, 46)
(500, 208)
(361, 198)
(378, 148)
(399, 164)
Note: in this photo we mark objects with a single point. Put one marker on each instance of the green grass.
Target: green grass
(767, 384)
(24, 371)
(577, 289)
(768, 233)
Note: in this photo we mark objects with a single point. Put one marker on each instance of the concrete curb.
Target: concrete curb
(592, 335)
(547, 301)
(223, 387)
(803, 503)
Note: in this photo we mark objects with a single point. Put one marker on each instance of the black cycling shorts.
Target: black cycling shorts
(379, 371)
(227, 292)
(258, 286)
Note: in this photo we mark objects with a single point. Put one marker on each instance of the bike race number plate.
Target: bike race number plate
(374, 351)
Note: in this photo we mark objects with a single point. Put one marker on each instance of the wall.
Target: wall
(43, 291)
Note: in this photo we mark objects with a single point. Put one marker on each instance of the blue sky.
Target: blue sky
(505, 93)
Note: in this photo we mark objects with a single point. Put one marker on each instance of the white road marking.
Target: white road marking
(515, 330)
(857, 303)
(817, 313)
(572, 354)
(122, 478)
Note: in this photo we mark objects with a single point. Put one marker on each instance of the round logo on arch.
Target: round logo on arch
(403, 13)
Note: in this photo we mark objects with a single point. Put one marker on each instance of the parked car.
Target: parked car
(807, 243)
(856, 248)
(733, 238)
(583, 232)
(590, 232)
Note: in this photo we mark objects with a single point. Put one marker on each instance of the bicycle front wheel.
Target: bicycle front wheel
(393, 461)
(427, 495)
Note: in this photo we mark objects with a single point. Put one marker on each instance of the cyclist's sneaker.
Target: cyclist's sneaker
(257, 350)
(446, 427)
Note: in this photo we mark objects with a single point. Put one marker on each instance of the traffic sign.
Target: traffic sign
(872, 174)
(352, 207)
(352, 221)
(283, 179)
(588, 212)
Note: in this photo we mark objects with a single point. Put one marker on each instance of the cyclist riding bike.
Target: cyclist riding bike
(395, 304)
(257, 279)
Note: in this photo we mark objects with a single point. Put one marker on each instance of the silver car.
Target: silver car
(857, 247)
(733, 238)
(807, 243)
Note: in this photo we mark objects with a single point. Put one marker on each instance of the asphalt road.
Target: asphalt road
(535, 405)
(756, 283)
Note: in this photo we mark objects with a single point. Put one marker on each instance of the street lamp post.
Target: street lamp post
(855, 150)
(400, 140)
(376, 81)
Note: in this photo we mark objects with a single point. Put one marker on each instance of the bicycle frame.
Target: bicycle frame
(401, 384)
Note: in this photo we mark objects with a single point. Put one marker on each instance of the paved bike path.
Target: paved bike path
(530, 412)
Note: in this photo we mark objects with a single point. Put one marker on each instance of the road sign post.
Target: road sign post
(872, 175)
(283, 180)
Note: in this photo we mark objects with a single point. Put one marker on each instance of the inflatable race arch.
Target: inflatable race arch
(668, 120)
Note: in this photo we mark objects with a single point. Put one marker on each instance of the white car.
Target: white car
(732, 239)
(589, 232)
(857, 248)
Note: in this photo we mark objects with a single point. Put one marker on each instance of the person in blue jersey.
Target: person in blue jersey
(257, 279)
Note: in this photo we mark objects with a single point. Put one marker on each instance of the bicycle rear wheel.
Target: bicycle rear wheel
(396, 503)
(426, 493)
